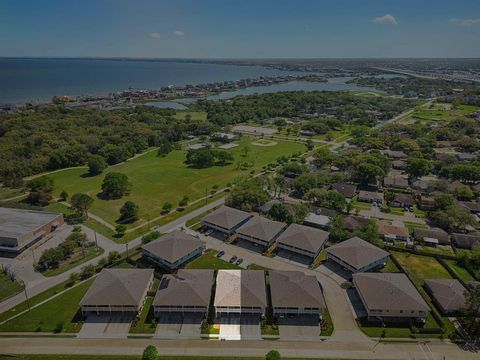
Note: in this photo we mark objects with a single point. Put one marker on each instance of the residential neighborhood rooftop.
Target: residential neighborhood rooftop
(304, 237)
(357, 252)
(173, 246)
(117, 287)
(244, 288)
(261, 228)
(448, 293)
(389, 292)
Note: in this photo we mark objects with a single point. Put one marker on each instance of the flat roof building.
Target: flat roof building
(295, 293)
(357, 255)
(20, 228)
(226, 219)
(390, 297)
(302, 240)
(173, 250)
(448, 294)
(261, 231)
(317, 220)
(117, 290)
(240, 292)
(188, 291)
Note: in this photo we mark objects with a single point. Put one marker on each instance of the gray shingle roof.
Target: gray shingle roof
(467, 241)
(241, 288)
(303, 237)
(434, 233)
(357, 252)
(295, 289)
(261, 228)
(118, 287)
(173, 246)
(186, 288)
(389, 291)
(449, 293)
(226, 217)
(17, 222)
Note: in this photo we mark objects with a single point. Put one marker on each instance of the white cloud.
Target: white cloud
(155, 35)
(385, 19)
(178, 33)
(465, 22)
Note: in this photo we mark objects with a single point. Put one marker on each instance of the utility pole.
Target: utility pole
(126, 246)
(96, 240)
(206, 195)
(33, 254)
(26, 295)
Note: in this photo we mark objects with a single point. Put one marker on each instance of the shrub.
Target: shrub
(273, 355)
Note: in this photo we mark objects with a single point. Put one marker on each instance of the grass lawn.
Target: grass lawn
(327, 324)
(421, 267)
(209, 261)
(75, 260)
(156, 180)
(7, 193)
(439, 250)
(196, 115)
(128, 357)
(438, 111)
(390, 267)
(461, 272)
(8, 287)
(145, 325)
(413, 225)
(60, 314)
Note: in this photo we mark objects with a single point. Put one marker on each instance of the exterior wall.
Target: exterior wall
(229, 232)
(298, 250)
(168, 265)
(392, 315)
(179, 309)
(297, 311)
(259, 241)
(225, 310)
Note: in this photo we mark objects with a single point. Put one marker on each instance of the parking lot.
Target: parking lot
(301, 327)
(106, 326)
(178, 326)
(227, 256)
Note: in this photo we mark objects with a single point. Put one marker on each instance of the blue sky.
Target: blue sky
(241, 28)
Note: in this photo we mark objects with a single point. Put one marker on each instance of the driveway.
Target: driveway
(106, 326)
(302, 327)
(178, 326)
(244, 327)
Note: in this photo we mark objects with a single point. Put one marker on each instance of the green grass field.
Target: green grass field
(421, 267)
(75, 260)
(442, 111)
(390, 267)
(57, 315)
(209, 261)
(159, 179)
(8, 287)
(461, 272)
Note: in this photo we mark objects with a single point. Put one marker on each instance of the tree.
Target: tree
(81, 203)
(470, 318)
(463, 192)
(183, 202)
(322, 156)
(164, 147)
(120, 229)
(129, 211)
(273, 355)
(115, 185)
(167, 207)
(389, 196)
(73, 278)
(113, 256)
(223, 157)
(329, 199)
(63, 195)
(96, 164)
(87, 271)
(366, 173)
(280, 212)
(247, 195)
(200, 158)
(41, 189)
(338, 232)
(417, 167)
(150, 353)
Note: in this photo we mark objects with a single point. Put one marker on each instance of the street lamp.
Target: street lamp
(22, 283)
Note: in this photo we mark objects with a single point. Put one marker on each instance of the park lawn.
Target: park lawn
(439, 112)
(461, 272)
(209, 261)
(8, 287)
(156, 180)
(421, 267)
(75, 260)
(7, 193)
(60, 314)
(196, 115)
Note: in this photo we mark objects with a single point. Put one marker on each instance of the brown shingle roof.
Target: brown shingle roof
(353, 223)
(385, 228)
(226, 217)
(295, 289)
(347, 190)
(357, 252)
(173, 246)
(449, 293)
(304, 237)
(434, 233)
(118, 287)
(187, 288)
(467, 241)
(389, 291)
(241, 288)
(261, 228)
